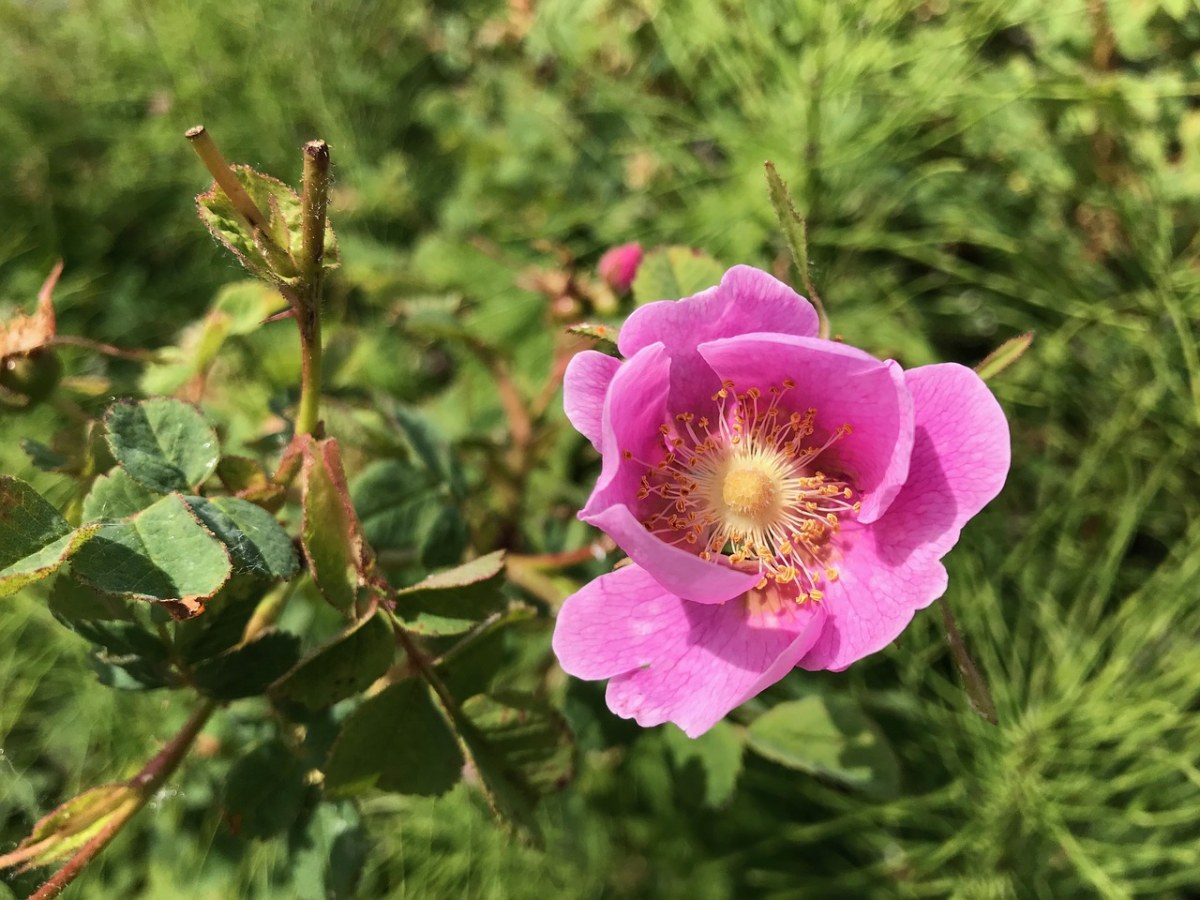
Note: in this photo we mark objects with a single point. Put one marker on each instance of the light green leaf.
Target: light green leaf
(256, 541)
(162, 554)
(347, 664)
(69, 827)
(34, 539)
(716, 754)
(396, 741)
(829, 736)
(672, 273)
(1004, 356)
(164, 444)
(453, 601)
(270, 256)
(116, 496)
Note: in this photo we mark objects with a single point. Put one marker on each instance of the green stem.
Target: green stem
(315, 203)
(145, 784)
(977, 689)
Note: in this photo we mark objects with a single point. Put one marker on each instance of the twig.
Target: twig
(314, 203)
(146, 783)
(206, 149)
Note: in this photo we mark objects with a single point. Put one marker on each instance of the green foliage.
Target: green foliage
(34, 539)
(827, 736)
(163, 444)
(161, 554)
(969, 172)
(421, 755)
(347, 664)
(668, 273)
(452, 602)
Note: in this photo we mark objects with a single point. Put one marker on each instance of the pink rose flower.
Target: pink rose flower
(619, 266)
(785, 500)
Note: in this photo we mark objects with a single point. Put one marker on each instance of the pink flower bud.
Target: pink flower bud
(619, 266)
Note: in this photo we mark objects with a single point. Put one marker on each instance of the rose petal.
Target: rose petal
(845, 386)
(747, 300)
(584, 385)
(891, 568)
(679, 571)
(671, 660)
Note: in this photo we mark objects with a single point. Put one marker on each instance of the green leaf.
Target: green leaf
(162, 554)
(69, 827)
(45, 458)
(604, 336)
(829, 736)
(164, 444)
(716, 756)
(265, 791)
(349, 663)
(1004, 356)
(396, 741)
(399, 503)
(71, 601)
(671, 273)
(453, 601)
(331, 533)
(270, 256)
(533, 740)
(256, 541)
(34, 539)
(116, 496)
(248, 669)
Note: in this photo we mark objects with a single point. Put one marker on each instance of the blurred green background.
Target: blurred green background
(970, 171)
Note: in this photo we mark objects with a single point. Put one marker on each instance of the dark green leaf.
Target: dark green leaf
(45, 458)
(533, 740)
(164, 444)
(453, 601)
(256, 541)
(829, 736)
(396, 741)
(716, 756)
(71, 601)
(446, 540)
(247, 670)
(116, 496)
(265, 791)
(161, 554)
(127, 655)
(331, 534)
(34, 539)
(399, 504)
(671, 273)
(349, 663)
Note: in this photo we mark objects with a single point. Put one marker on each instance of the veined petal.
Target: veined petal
(585, 384)
(891, 568)
(675, 661)
(747, 300)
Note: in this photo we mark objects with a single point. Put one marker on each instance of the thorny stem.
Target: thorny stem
(145, 785)
(977, 689)
(315, 203)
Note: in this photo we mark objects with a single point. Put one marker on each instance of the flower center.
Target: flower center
(746, 486)
(750, 492)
